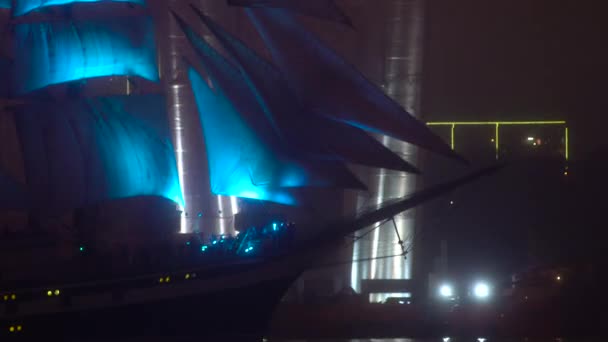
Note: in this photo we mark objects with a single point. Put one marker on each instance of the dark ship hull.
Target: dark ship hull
(232, 300)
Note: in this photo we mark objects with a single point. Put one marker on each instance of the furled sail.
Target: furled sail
(78, 153)
(56, 52)
(323, 9)
(296, 126)
(25, 6)
(325, 82)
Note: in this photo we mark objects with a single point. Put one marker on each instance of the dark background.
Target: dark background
(521, 60)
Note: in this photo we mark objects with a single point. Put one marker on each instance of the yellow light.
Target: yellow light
(168, 279)
(492, 123)
(492, 140)
(19, 328)
(496, 139)
(558, 278)
(13, 296)
(565, 173)
(187, 276)
(567, 143)
(161, 280)
(49, 293)
(11, 329)
(5, 297)
(452, 136)
(453, 125)
(57, 292)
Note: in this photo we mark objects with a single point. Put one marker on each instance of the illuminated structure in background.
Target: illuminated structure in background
(497, 124)
(203, 211)
(403, 68)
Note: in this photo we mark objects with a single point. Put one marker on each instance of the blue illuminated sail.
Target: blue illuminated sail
(332, 140)
(56, 52)
(252, 163)
(5, 4)
(323, 9)
(242, 164)
(324, 81)
(82, 152)
(25, 6)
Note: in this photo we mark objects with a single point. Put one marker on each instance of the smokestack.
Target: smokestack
(402, 81)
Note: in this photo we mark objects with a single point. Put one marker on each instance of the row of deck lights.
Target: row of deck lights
(57, 292)
(167, 279)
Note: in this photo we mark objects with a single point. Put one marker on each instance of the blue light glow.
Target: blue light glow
(256, 163)
(204, 248)
(5, 4)
(274, 227)
(58, 52)
(241, 166)
(25, 6)
(82, 152)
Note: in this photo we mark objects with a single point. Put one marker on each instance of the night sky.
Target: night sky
(519, 59)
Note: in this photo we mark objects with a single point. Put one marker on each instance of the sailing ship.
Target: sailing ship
(95, 120)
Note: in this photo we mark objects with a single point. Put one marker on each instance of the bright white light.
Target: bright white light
(481, 339)
(446, 291)
(481, 290)
(446, 339)
(234, 204)
(530, 138)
